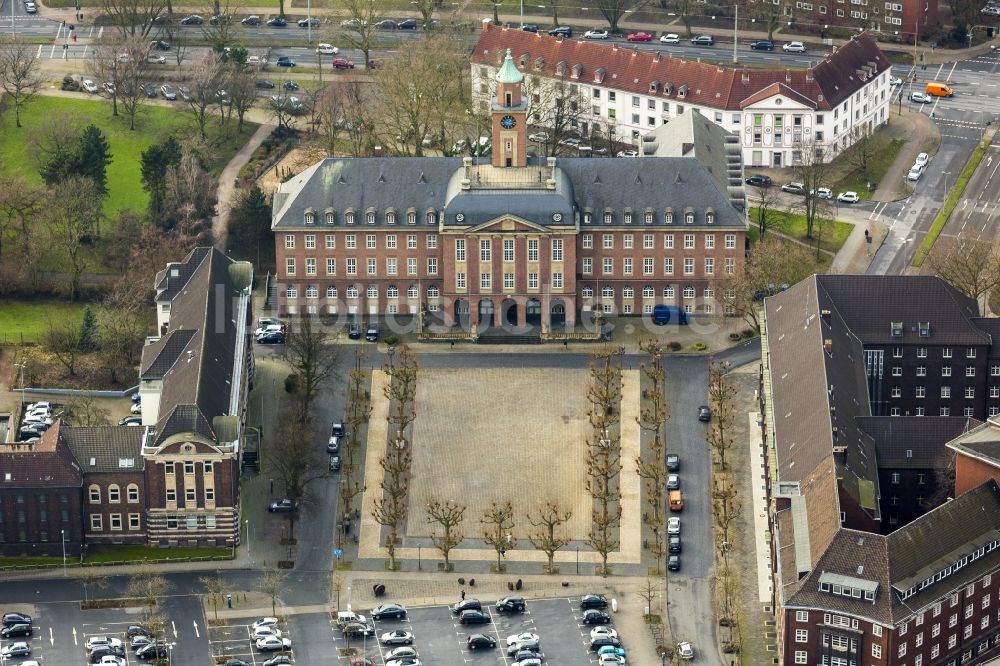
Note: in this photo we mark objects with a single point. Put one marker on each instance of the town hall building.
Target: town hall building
(514, 240)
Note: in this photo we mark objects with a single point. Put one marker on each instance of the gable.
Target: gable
(510, 224)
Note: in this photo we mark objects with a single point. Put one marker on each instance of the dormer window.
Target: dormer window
(599, 75)
(561, 68)
(689, 216)
(390, 217)
(608, 217)
(648, 217)
(587, 217)
(709, 216)
(628, 216)
(896, 329)
(668, 217)
(310, 216)
(370, 216)
(431, 217)
(411, 216)
(577, 71)
(654, 87)
(330, 216)
(924, 328)
(349, 216)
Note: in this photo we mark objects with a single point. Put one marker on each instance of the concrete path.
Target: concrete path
(228, 182)
(921, 135)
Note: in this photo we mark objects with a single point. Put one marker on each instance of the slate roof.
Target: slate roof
(160, 356)
(991, 326)
(47, 464)
(869, 305)
(925, 438)
(108, 446)
(175, 276)
(981, 442)
(826, 85)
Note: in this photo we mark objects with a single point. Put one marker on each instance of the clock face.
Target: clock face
(508, 122)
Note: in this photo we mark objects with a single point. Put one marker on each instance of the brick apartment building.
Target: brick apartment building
(512, 240)
(175, 480)
(904, 18)
(873, 561)
(625, 92)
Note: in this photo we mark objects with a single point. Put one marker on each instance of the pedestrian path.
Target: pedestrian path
(758, 484)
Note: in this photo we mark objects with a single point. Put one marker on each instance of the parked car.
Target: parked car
(140, 641)
(342, 63)
(762, 45)
(639, 37)
(334, 463)
(89, 86)
(673, 462)
(97, 641)
(327, 49)
(704, 414)
(310, 22)
(16, 631)
(511, 605)
(253, 19)
(538, 137)
(371, 335)
(474, 617)
(159, 45)
(759, 180)
(220, 19)
(674, 563)
(354, 332)
(256, 61)
(674, 544)
(466, 604)
(561, 31)
(611, 650)
(280, 660)
(386, 24)
(109, 88)
(396, 637)
(596, 616)
(596, 33)
(923, 98)
(703, 40)
(19, 649)
(266, 630)
(673, 481)
(352, 24)
(408, 24)
(273, 644)
(673, 525)
(521, 638)
(593, 601)
(402, 652)
(358, 629)
(30, 8)
(529, 27)
(138, 630)
(793, 47)
(915, 173)
(149, 89)
(922, 160)
(603, 631)
(271, 338)
(277, 22)
(822, 193)
(281, 506)
(895, 81)
(794, 188)
(481, 641)
(284, 61)
(670, 38)
(265, 622)
(155, 59)
(685, 650)
(385, 611)
(194, 19)
(848, 197)
(405, 661)
(264, 84)
(599, 642)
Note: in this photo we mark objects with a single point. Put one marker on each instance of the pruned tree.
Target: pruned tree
(356, 416)
(130, 73)
(449, 516)
(721, 396)
(132, 18)
(363, 34)
(313, 358)
(148, 587)
(765, 202)
(649, 591)
(208, 77)
(970, 265)
(84, 410)
(214, 589)
(297, 464)
(272, 582)
(498, 528)
(650, 465)
(812, 168)
(72, 218)
(728, 508)
(548, 519)
(863, 150)
(603, 455)
(390, 510)
(20, 77)
(770, 264)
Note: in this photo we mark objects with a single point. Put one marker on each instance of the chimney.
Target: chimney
(746, 75)
(788, 76)
(656, 56)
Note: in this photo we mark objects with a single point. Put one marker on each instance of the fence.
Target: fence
(113, 563)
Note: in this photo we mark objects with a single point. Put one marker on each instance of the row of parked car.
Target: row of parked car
(794, 187)
(270, 331)
(36, 420)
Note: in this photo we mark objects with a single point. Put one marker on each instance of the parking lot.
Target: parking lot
(440, 639)
(233, 641)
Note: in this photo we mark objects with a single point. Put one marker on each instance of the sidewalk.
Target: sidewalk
(923, 137)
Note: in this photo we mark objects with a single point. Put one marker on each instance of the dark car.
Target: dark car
(354, 332)
(277, 22)
(236, 662)
(466, 604)
(281, 506)
(271, 338)
(595, 616)
(253, 19)
(194, 19)
(511, 605)
(138, 630)
(704, 414)
(358, 630)
(264, 84)
(102, 651)
(762, 45)
(159, 45)
(703, 40)
(673, 462)
(408, 24)
(481, 641)
(561, 31)
(342, 63)
(17, 630)
(593, 601)
(334, 463)
(371, 335)
(290, 85)
(15, 618)
(280, 660)
(473, 617)
(529, 27)
(520, 655)
(599, 642)
(674, 544)
(674, 563)
(673, 482)
(152, 651)
(388, 611)
(285, 61)
(386, 24)
(759, 180)
(149, 89)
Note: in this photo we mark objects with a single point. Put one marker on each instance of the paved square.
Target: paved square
(500, 434)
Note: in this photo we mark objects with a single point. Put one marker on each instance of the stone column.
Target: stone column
(522, 311)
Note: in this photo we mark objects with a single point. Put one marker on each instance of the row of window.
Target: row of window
(648, 292)
(40, 499)
(942, 411)
(649, 266)
(190, 494)
(486, 280)
(114, 493)
(486, 249)
(648, 216)
(921, 371)
(391, 292)
(921, 392)
(41, 514)
(371, 241)
(350, 216)
(188, 466)
(391, 266)
(115, 522)
(649, 241)
(946, 352)
(208, 522)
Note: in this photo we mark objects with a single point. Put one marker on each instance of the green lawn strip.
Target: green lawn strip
(794, 225)
(884, 157)
(821, 265)
(953, 198)
(106, 554)
(27, 320)
(26, 562)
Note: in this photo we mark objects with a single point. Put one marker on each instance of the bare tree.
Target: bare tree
(863, 150)
(548, 519)
(357, 413)
(214, 589)
(651, 466)
(189, 199)
(685, 10)
(84, 410)
(812, 169)
(498, 528)
(130, 73)
(426, 9)
(272, 582)
(768, 15)
(559, 105)
(649, 591)
(62, 339)
(73, 218)
(148, 587)
(122, 329)
(207, 79)
(765, 201)
(133, 18)
(20, 77)
(970, 265)
(496, 11)
(313, 357)
(297, 464)
(770, 264)
(614, 11)
(603, 456)
(721, 394)
(346, 109)
(449, 516)
(363, 34)
(93, 579)
(19, 203)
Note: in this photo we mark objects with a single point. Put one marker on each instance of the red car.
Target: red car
(640, 37)
(343, 63)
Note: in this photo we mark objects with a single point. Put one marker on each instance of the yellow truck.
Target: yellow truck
(940, 89)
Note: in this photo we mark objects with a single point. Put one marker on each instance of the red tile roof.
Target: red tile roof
(826, 85)
(45, 463)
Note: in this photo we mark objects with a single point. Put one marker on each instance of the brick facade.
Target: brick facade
(114, 507)
(33, 520)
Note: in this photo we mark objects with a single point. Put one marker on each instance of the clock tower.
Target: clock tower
(510, 115)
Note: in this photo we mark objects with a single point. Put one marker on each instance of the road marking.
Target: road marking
(74, 637)
(52, 639)
(196, 632)
(174, 627)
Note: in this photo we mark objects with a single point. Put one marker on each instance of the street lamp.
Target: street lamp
(247, 523)
(20, 366)
(63, 533)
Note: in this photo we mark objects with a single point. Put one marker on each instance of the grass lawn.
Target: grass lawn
(103, 554)
(820, 265)
(32, 561)
(885, 155)
(28, 319)
(792, 224)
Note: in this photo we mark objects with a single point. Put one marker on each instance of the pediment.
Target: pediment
(510, 224)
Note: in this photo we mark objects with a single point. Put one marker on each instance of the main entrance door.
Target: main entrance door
(485, 313)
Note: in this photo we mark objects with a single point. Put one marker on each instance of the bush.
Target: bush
(69, 83)
(747, 333)
(699, 346)
(673, 345)
(734, 336)
(391, 339)
(292, 383)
